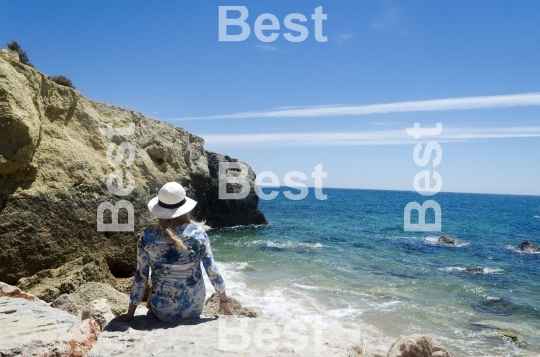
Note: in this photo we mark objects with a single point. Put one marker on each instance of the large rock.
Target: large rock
(54, 172)
(14, 292)
(65, 302)
(219, 212)
(49, 284)
(211, 307)
(99, 311)
(528, 246)
(27, 324)
(124, 285)
(417, 346)
(77, 342)
(446, 239)
(219, 337)
(88, 292)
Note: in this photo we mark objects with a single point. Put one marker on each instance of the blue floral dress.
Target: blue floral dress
(178, 289)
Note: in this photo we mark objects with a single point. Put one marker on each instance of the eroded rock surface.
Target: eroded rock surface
(218, 337)
(99, 311)
(89, 292)
(54, 173)
(30, 324)
(49, 284)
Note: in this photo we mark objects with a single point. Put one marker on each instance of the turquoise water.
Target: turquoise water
(347, 261)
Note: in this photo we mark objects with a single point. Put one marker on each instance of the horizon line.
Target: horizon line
(411, 191)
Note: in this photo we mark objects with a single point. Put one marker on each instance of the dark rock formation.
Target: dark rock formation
(445, 239)
(55, 172)
(528, 246)
(220, 213)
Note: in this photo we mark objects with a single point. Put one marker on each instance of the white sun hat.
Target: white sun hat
(171, 202)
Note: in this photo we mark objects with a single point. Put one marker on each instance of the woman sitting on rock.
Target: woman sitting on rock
(174, 251)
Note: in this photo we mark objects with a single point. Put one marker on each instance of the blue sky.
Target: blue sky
(165, 60)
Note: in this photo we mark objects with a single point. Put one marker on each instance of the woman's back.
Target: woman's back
(178, 289)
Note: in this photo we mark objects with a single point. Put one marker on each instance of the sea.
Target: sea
(347, 261)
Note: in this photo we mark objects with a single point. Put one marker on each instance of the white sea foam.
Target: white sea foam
(294, 304)
(240, 227)
(294, 245)
(285, 245)
(536, 216)
(485, 270)
(435, 241)
(514, 249)
(307, 287)
(348, 312)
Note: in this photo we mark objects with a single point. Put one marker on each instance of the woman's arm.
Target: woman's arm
(215, 277)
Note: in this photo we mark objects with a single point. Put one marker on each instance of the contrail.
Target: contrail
(394, 137)
(497, 101)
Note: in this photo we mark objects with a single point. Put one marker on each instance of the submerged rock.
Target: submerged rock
(49, 284)
(512, 336)
(505, 330)
(473, 270)
(54, 175)
(528, 246)
(417, 346)
(446, 239)
(89, 292)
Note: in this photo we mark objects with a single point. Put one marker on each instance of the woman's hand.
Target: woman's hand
(122, 318)
(224, 306)
(126, 317)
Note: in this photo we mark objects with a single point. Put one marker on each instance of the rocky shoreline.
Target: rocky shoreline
(67, 311)
(30, 326)
(58, 164)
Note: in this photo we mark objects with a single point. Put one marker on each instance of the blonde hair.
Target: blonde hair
(169, 225)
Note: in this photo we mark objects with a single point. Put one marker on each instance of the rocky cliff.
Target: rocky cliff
(54, 174)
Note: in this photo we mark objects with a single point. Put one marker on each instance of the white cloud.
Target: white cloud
(496, 101)
(394, 137)
(343, 37)
(388, 20)
(268, 48)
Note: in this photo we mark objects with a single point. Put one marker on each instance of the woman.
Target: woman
(173, 251)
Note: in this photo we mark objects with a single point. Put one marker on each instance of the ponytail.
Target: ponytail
(169, 225)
